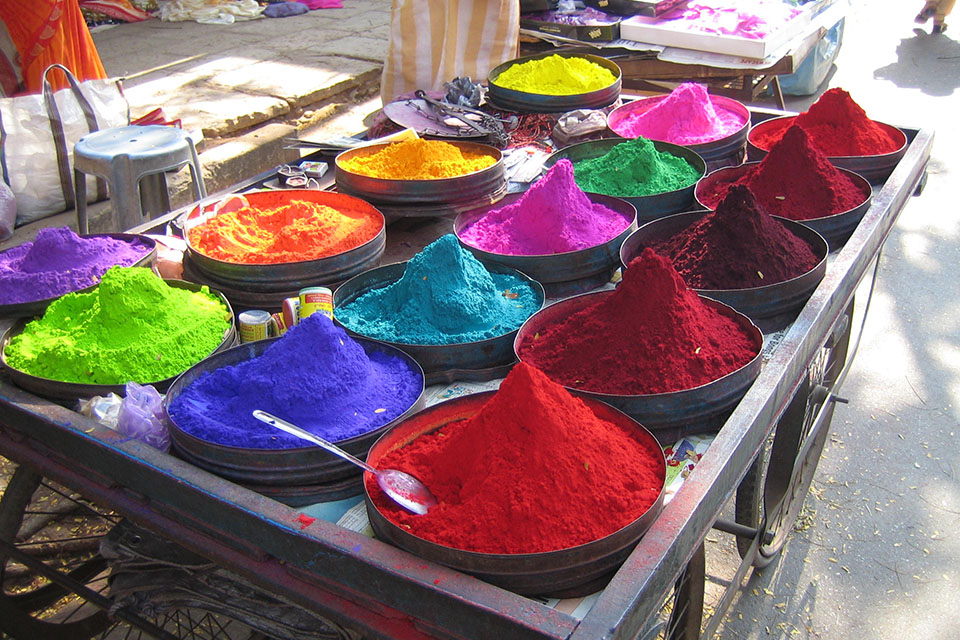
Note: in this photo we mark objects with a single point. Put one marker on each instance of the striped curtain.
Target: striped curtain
(434, 41)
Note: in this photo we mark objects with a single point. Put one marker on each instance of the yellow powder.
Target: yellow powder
(417, 160)
(556, 76)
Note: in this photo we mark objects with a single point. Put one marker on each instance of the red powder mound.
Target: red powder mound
(534, 470)
(838, 126)
(738, 246)
(796, 181)
(651, 335)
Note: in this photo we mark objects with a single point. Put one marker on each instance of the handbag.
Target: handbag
(37, 135)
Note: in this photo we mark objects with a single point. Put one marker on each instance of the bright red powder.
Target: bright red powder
(738, 246)
(838, 126)
(534, 470)
(795, 181)
(651, 335)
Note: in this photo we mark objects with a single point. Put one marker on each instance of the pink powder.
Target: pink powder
(687, 116)
(553, 216)
(754, 20)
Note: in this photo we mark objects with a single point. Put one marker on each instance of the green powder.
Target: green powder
(133, 326)
(634, 168)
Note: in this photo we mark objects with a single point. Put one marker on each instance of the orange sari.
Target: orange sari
(49, 31)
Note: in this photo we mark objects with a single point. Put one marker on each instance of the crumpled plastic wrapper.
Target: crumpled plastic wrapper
(140, 415)
(169, 262)
(103, 409)
(579, 125)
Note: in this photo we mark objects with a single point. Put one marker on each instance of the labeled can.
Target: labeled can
(279, 324)
(254, 325)
(313, 299)
(291, 311)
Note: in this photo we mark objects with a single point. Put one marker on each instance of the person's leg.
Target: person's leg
(943, 9)
(927, 12)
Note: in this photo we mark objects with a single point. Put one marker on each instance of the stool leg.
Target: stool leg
(125, 196)
(154, 199)
(80, 189)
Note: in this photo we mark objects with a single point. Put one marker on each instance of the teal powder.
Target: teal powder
(445, 296)
(634, 168)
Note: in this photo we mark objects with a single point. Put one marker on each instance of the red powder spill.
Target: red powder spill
(305, 521)
(795, 181)
(838, 126)
(534, 470)
(738, 246)
(651, 335)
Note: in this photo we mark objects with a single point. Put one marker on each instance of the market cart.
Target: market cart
(261, 560)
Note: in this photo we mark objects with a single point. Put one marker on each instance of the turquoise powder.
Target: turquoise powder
(446, 296)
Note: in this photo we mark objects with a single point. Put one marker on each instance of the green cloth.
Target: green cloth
(634, 168)
(133, 326)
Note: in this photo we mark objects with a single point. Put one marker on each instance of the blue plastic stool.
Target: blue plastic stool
(133, 161)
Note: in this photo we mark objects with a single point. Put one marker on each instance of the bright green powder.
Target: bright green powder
(634, 168)
(133, 326)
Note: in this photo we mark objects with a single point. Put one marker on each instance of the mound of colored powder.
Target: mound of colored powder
(418, 159)
(634, 168)
(445, 296)
(556, 76)
(133, 326)
(652, 334)
(528, 473)
(315, 376)
(294, 232)
(688, 115)
(552, 216)
(738, 246)
(59, 261)
(837, 126)
(795, 181)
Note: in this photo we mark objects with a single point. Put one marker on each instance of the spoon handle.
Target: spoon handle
(283, 425)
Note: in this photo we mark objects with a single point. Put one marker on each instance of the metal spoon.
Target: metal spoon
(402, 488)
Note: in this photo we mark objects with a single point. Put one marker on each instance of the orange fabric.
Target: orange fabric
(49, 31)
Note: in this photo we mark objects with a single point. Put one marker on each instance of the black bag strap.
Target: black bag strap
(3, 150)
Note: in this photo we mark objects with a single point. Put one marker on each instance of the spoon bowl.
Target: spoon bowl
(402, 488)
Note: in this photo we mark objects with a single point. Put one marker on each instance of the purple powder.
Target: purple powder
(315, 376)
(585, 17)
(552, 216)
(59, 261)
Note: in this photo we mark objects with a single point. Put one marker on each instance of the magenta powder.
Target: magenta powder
(687, 116)
(59, 261)
(552, 216)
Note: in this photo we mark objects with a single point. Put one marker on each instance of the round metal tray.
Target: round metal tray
(37, 307)
(561, 274)
(722, 152)
(672, 414)
(771, 306)
(310, 467)
(289, 276)
(524, 102)
(648, 207)
(876, 169)
(485, 359)
(835, 228)
(72, 391)
(408, 198)
(571, 572)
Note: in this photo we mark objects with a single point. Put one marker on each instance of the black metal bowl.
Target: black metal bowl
(571, 572)
(484, 359)
(72, 391)
(311, 468)
(876, 169)
(771, 306)
(670, 415)
(561, 274)
(648, 207)
(525, 102)
(37, 307)
(835, 228)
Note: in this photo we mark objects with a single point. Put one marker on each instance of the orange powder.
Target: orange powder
(417, 159)
(294, 232)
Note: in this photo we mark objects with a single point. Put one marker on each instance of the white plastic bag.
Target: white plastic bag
(36, 162)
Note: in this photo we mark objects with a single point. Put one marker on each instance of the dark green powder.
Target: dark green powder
(634, 168)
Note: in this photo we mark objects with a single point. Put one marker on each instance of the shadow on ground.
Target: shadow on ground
(930, 63)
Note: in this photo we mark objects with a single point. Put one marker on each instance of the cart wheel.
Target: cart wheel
(49, 556)
(772, 493)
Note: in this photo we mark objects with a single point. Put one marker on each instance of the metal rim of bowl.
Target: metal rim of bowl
(32, 308)
(62, 390)
(645, 104)
(525, 101)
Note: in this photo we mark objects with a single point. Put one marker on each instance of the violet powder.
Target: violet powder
(59, 261)
(315, 376)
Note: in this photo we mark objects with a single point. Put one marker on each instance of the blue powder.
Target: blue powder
(315, 376)
(445, 296)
